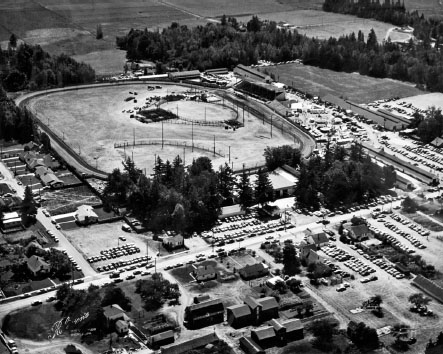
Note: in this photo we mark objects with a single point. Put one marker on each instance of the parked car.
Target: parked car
(36, 303)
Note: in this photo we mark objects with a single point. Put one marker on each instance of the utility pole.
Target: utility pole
(133, 134)
(243, 115)
(184, 156)
(162, 135)
(271, 125)
(229, 153)
(214, 145)
(192, 135)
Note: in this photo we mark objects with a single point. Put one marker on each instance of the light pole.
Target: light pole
(96, 162)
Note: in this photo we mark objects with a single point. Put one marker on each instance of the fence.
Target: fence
(183, 144)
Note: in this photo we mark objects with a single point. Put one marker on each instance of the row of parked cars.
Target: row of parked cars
(129, 264)
(404, 234)
(419, 155)
(115, 252)
(412, 225)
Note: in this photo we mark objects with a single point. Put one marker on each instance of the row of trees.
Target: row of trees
(31, 67)
(183, 199)
(341, 178)
(223, 45)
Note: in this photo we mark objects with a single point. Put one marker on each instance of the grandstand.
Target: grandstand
(261, 90)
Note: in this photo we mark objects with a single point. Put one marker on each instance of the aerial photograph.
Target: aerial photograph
(221, 177)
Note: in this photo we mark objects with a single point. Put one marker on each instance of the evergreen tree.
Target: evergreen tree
(28, 207)
(226, 181)
(99, 32)
(246, 193)
(264, 192)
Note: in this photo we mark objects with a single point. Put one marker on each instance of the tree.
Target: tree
(99, 32)
(13, 40)
(409, 205)
(28, 207)
(282, 155)
(264, 193)
(115, 295)
(323, 331)
(46, 142)
(291, 263)
(363, 336)
(246, 193)
(226, 181)
(419, 300)
(61, 266)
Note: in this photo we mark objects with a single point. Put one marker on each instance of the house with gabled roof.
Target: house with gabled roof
(204, 314)
(85, 215)
(357, 233)
(264, 336)
(253, 271)
(37, 265)
(204, 273)
(239, 316)
(262, 309)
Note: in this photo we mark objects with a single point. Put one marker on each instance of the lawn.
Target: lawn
(355, 87)
(95, 138)
(424, 221)
(67, 200)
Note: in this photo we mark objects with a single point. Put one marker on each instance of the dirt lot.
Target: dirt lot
(427, 100)
(66, 200)
(200, 111)
(97, 137)
(355, 87)
(90, 240)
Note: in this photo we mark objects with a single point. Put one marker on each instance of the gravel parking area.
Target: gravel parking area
(91, 240)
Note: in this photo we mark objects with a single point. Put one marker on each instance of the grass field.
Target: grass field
(355, 87)
(95, 121)
(325, 24)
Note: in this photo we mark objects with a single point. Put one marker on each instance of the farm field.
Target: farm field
(214, 8)
(355, 87)
(325, 24)
(95, 121)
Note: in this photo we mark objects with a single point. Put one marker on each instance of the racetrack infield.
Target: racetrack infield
(92, 120)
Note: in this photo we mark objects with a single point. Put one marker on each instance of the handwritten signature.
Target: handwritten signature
(66, 323)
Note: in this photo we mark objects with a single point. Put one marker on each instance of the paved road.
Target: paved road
(170, 260)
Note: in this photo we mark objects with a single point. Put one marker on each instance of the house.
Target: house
(273, 281)
(294, 330)
(264, 336)
(204, 314)
(437, 142)
(37, 265)
(121, 327)
(253, 271)
(189, 345)
(250, 347)
(85, 215)
(239, 315)
(41, 171)
(51, 180)
(319, 239)
(161, 339)
(312, 257)
(11, 221)
(305, 248)
(173, 242)
(262, 309)
(279, 329)
(34, 163)
(201, 298)
(358, 233)
(283, 182)
(114, 313)
(10, 203)
(204, 273)
(51, 162)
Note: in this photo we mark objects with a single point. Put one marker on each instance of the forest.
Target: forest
(183, 199)
(30, 67)
(341, 179)
(224, 44)
(15, 123)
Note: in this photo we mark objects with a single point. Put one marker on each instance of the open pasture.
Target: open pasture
(92, 120)
(215, 8)
(355, 87)
(325, 24)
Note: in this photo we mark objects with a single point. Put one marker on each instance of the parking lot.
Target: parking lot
(93, 240)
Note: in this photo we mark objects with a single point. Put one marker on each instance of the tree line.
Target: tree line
(15, 123)
(183, 199)
(30, 67)
(341, 179)
(390, 11)
(225, 45)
